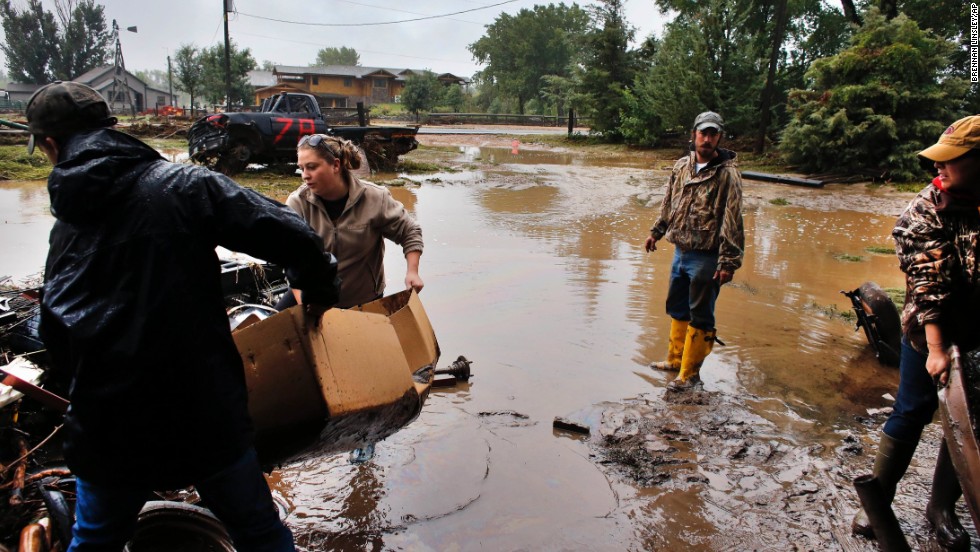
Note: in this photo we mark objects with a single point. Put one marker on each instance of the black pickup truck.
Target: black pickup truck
(228, 142)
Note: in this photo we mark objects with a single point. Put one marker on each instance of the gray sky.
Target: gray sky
(438, 44)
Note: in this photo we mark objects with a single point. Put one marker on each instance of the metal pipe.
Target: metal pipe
(12, 124)
(883, 521)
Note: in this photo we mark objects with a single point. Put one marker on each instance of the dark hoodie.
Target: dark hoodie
(133, 312)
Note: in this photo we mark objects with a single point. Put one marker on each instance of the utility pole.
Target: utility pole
(227, 7)
(170, 81)
(120, 68)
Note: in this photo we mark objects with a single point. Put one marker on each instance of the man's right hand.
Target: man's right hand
(650, 245)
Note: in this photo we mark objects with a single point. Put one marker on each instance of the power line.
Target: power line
(373, 24)
(359, 51)
(397, 10)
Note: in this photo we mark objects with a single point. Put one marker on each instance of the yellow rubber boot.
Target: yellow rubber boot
(675, 349)
(697, 346)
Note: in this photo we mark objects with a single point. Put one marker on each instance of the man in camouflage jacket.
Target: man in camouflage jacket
(701, 215)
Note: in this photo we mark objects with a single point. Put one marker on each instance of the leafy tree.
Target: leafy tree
(520, 50)
(154, 77)
(28, 34)
(336, 56)
(609, 68)
(454, 97)
(563, 93)
(680, 84)
(422, 92)
(213, 87)
(871, 107)
(268, 65)
(188, 70)
(83, 41)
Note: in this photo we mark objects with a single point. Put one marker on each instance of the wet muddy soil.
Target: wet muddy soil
(534, 271)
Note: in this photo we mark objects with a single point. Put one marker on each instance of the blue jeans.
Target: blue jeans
(693, 289)
(917, 398)
(105, 517)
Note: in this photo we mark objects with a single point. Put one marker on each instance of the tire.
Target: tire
(167, 526)
(234, 160)
(886, 321)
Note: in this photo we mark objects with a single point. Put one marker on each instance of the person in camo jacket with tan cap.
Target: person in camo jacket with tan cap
(701, 215)
(936, 240)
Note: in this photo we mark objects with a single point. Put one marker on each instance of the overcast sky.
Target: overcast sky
(437, 43)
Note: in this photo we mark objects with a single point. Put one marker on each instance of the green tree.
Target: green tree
(422, 92)
(213, 87)
(336, 56)
(28, 34)
(680, 84)
(84, 39)
(608, 67)
(520, 50)
(454, 97)
(188, 71)
(871, 107)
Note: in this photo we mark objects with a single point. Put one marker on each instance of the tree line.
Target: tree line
(856, 87)
(847, 88)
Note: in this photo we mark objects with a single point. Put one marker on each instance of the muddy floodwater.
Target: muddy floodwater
(534, 270)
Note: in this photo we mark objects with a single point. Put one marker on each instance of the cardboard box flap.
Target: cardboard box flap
(277, 362)
(411, 323)
(359, 361)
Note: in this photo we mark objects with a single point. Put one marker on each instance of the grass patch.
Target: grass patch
(834, 313)
(269, 184)
(779, 201)
(411, 166)
(394, 182)
(15, 164)
(897, 295)
(913, 187)
(880, 250)
(847, 258)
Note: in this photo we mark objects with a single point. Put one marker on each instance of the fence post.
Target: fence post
(361, 119)
(571, 121)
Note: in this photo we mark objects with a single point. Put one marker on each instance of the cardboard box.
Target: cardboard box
(360, 376)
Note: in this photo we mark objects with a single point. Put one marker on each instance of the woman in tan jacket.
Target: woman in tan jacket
(353, 217)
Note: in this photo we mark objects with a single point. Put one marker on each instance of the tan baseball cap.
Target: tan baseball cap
(958, 139)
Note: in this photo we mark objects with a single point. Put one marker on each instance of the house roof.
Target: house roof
(22, 87)
(92, 74)
(261, 79)
(358, 71)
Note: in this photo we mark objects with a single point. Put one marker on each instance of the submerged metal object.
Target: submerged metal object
(959, 430)
(878, 317)
(459, 369)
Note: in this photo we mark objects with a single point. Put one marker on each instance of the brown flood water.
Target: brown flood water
(534, 271)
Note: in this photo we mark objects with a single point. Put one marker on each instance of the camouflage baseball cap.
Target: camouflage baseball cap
(64, 108)
(958, 139)
(709, 119)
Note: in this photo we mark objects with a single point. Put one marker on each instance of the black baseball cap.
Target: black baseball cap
(63, 108)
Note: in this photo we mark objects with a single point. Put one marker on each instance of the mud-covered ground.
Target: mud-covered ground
(760, 487)
(534, 271)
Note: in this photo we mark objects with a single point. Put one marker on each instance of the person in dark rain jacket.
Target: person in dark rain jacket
(133, 316)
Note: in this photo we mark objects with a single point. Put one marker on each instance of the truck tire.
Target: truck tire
(167, 526)
(887, 323)
(234, 160)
